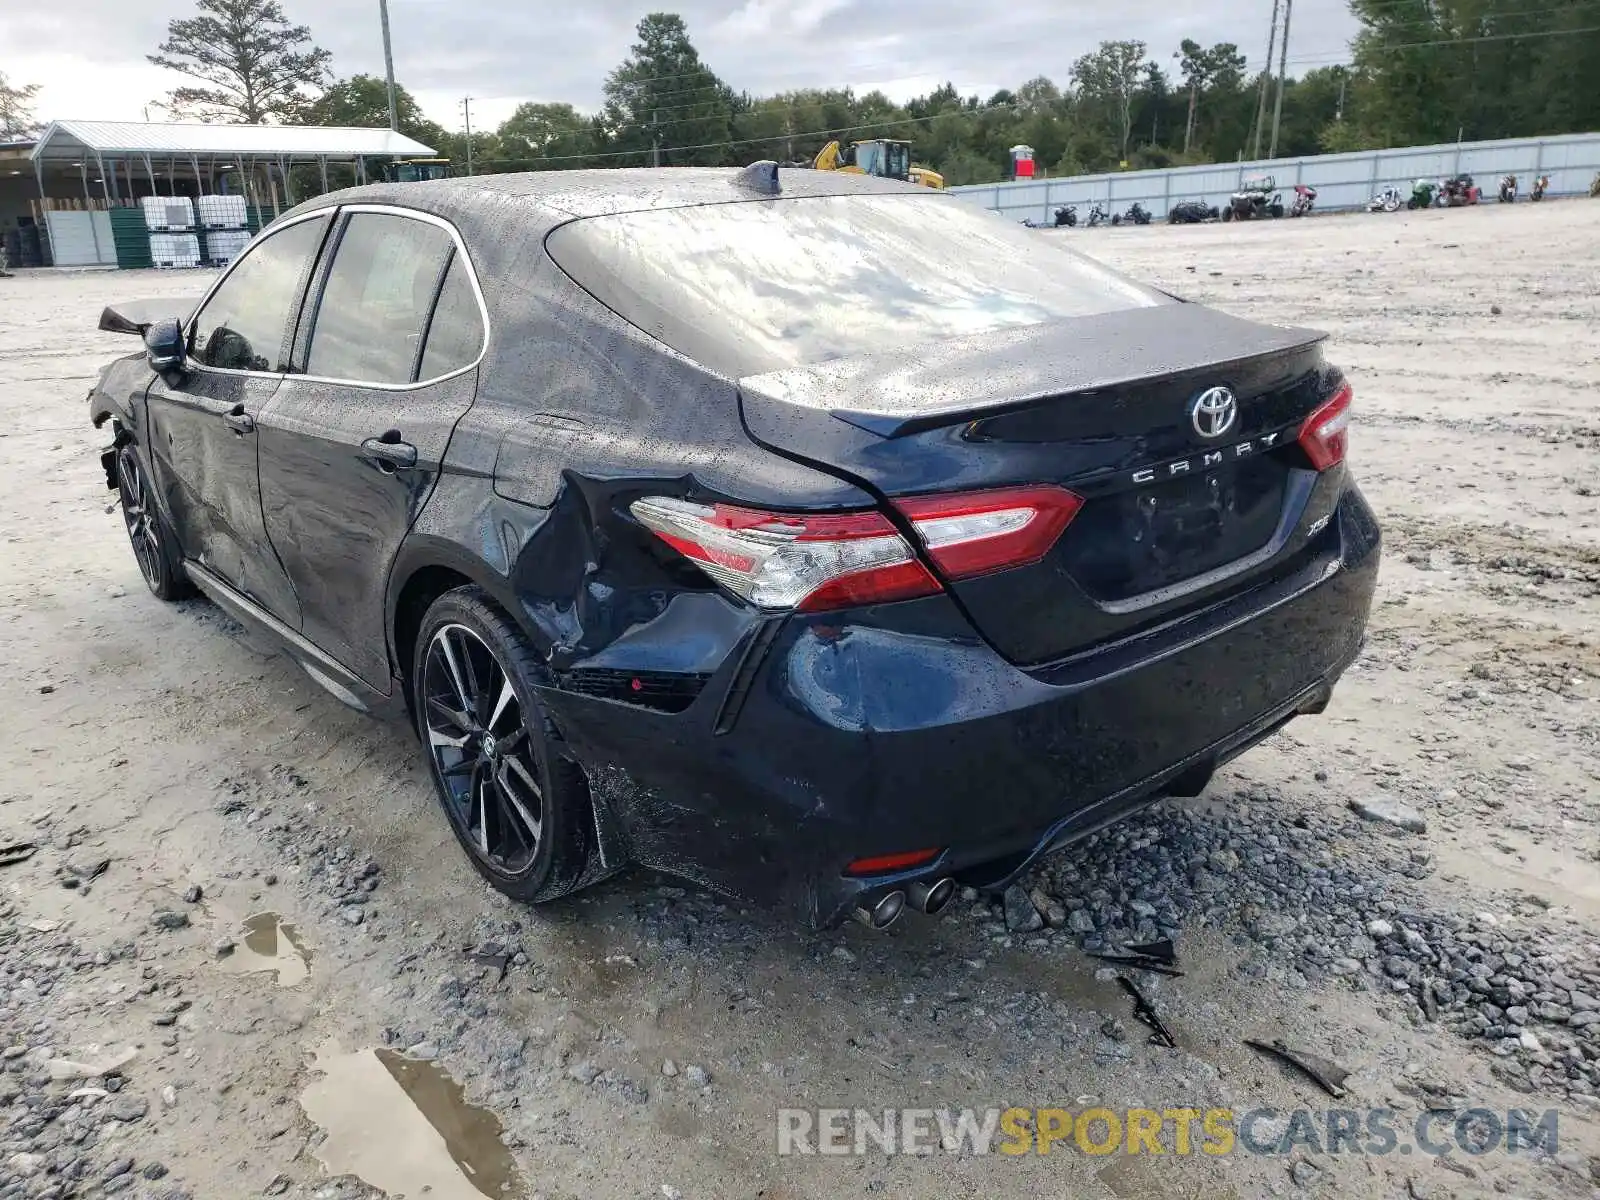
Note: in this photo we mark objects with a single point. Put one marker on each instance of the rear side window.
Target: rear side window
(746, 288)
(374, 309)
(242, 326)
(455, 335)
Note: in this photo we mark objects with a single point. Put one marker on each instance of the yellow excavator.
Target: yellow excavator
(882, 157)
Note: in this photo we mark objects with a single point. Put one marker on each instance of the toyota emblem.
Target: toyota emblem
(1214, 411)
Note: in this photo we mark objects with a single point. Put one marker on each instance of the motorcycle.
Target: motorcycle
(1137, 214)
(1098, 215)
(1423, 192)
(1508, 189)
(1541, 185)
(1067, 215)
(1389, 200)
(1305, 197)
(1458, 191)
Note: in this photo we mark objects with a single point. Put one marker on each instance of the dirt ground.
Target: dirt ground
(156, 737)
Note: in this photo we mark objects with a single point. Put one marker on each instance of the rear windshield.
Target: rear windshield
(746, 288)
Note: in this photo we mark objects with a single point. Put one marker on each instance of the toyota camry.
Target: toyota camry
(818, 538)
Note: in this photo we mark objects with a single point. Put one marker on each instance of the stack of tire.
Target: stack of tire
(23, 248)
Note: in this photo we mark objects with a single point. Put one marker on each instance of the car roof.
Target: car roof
(551, 198)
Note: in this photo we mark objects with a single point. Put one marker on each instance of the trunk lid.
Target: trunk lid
(1101, 405)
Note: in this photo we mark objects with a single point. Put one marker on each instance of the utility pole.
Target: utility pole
(388, 65)
(1338, 113)
(655, 140)
(1266, 76)
(466, 108)
(1283, 65)
(1188, 128)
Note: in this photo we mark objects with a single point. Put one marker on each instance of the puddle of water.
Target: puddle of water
(404, 1127)
(271, 945)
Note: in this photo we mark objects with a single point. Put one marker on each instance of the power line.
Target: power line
(1465, 41)
(856, 68)
(1497, 18)
(1031, 41)
(1304, 60)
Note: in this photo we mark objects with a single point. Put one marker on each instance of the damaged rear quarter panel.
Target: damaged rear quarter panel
(577, 415)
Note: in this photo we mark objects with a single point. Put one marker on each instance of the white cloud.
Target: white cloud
(75, 86)
(89, 55)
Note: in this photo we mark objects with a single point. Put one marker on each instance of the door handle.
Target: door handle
(240, 421)
(389, 455)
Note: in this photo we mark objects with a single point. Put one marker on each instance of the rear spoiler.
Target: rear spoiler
(899, 392)
(136, 316)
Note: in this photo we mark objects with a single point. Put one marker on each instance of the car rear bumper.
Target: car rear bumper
(897, 729)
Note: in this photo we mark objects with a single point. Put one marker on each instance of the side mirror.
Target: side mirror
(164, 345)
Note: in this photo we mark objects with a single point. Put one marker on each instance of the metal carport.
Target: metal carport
(129, 159)
(89, 172)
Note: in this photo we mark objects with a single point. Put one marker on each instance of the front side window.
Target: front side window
(373, 314)
(242, 326)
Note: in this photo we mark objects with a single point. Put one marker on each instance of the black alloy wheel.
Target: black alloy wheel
(516, 806)
(154, 547)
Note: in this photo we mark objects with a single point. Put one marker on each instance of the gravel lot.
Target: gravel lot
(637, 1042)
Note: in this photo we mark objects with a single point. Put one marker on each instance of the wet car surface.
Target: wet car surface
(821, 544)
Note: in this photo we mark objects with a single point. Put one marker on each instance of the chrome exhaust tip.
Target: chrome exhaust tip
(932, 898)
(885, 911)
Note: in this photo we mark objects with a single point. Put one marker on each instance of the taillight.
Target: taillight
(785, 560)
(1325, 434)
(975, 533)
(814, 562)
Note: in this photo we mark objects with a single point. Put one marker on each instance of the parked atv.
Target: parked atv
(1137, 214)
(1098, 215)
(1190, 212)
(1508, 189)
(1541, 185)
(1458, 191)
(1389, 200)
(1067, 215)
(1423, 192)
(1256, 198)
(1305, 197)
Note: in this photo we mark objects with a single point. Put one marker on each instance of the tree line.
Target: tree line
(1420, 71)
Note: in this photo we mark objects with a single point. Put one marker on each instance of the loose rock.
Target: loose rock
(1390, 812)
(1021, 915)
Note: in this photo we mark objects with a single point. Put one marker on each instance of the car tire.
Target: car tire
(506, 776)
(155, 546)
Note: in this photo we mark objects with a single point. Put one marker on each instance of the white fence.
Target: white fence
(80, 239)
(1343, 181)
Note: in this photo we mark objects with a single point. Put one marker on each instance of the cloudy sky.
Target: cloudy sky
(88, 55)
